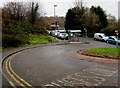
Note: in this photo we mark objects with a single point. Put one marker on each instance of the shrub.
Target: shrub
(14, 41)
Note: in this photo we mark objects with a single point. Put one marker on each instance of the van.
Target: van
(100, 36)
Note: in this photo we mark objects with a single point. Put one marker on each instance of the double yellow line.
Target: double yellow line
(20, 81)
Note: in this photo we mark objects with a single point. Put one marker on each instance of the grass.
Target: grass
(36, 39)
(42, 39)
(110, 52)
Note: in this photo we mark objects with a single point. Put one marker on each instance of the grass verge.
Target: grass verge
(41, 39)
(108, 52)
(36, 39)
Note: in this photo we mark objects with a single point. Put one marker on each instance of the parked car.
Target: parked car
(53, 33)
(78, 34)
(100, 36)
(113, 39)
(62, 34)
(48, 31)
(56, 32)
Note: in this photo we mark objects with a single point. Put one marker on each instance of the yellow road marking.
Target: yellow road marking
(8, 64)
(12, 76)
(17, 75)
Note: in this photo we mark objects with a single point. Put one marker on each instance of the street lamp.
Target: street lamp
(44, 14)
(54, 9)
(54, 13)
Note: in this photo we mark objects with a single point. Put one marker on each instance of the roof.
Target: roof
(75, 30)
(99, 34)
(54, 25)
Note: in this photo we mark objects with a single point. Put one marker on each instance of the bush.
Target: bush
(14, 41)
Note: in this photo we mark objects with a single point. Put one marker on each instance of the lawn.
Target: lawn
(109, 52)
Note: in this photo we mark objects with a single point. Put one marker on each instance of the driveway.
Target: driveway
(54, 65)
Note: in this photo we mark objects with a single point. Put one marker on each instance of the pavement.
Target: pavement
(53, 65)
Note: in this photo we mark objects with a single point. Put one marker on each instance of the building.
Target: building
(54, 27)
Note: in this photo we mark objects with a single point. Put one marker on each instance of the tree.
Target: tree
(33, 12)
(70, 22)
(19, 23)
(90, 21)
(113, 25)
(102, 17)
(15, 11)
(74, 18)
(79, 17)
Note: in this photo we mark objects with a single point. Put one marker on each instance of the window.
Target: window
(100, 36)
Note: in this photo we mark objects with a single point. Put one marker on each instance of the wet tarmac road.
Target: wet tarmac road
(54, 66)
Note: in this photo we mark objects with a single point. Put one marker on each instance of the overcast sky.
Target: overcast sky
(47, 6)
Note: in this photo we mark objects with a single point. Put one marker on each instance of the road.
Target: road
(58, 66)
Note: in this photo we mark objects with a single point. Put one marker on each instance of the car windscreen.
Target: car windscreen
(104, 36)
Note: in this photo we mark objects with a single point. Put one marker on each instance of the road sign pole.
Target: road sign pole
(117, 33)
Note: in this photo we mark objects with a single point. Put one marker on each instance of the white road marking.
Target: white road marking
(49, 85)
(94, 79)
(102, 72)
(106, 67)
(65, 83)
(88, 77)
(55, 84)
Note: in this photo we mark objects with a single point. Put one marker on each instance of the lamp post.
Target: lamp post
(44, 14)
(117, 33)
(54, 9)
(54, 13)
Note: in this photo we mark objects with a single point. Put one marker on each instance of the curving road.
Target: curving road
(56, 66)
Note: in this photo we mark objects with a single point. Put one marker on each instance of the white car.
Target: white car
(62, 35)
(48, 31)
(100, 36)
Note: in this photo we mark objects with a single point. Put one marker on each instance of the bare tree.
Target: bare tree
(16, 10)
(78, 3)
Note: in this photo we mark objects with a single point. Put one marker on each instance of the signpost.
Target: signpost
(85, 29)
(117, 33)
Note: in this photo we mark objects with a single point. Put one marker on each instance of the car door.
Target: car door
(112, 40)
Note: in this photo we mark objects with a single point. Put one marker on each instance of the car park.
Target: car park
(113, 40)
(100, 36)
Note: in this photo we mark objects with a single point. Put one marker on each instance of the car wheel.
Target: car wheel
(95, 39)
(107, 41)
